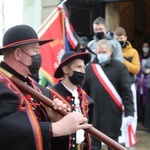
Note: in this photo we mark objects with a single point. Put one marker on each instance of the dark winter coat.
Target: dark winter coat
(107, 115)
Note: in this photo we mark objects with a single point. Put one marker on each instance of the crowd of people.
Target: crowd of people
(105, 84)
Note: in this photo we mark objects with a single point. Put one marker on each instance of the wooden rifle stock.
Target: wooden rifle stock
(46, 101)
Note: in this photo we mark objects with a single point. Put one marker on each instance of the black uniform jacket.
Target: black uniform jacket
(16, 132)
(86, 104)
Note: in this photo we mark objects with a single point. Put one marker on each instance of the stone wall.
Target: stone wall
(47, 7)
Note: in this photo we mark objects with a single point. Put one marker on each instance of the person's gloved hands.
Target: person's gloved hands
(126, 122)
(130, 119)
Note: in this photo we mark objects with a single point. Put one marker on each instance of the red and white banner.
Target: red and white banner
(56, 27)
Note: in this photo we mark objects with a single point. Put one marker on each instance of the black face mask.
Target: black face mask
(99, 35)
(123, 44)
(76, 78)
(83, 49)
(36, 63)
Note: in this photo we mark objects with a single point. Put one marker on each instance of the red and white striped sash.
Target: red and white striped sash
(129, 133)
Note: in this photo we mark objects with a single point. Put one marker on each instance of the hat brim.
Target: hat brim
(86, 56)
(41, 42)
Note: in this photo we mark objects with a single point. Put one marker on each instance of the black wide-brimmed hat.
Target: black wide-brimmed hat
(20, 35)
(69, 57)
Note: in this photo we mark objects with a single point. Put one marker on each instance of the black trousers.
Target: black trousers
(97, 145)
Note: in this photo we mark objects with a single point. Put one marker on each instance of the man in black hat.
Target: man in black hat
(71, 70)
(25, 123)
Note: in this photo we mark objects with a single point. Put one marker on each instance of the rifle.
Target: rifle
(93, 131)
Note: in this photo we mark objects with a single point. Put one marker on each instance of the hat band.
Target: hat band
(20, 42)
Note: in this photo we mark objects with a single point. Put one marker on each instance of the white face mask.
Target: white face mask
(145, 49)
(103, 58)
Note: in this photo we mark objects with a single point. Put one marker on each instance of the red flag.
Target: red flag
(54, 27)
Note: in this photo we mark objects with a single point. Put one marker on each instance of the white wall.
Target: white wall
(32, 13)
(10, 15)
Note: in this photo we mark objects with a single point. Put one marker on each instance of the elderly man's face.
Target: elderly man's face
(102, 49)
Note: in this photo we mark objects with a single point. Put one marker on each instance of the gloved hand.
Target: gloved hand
(126, 122)
(130, 119)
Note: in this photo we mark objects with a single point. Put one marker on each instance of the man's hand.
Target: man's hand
(60, 105)
(130, 119)
(126, 122)
(70, 124)
(57, 105)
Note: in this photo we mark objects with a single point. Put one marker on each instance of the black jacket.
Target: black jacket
(86, 104)
(16, 131)
(107, 116)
